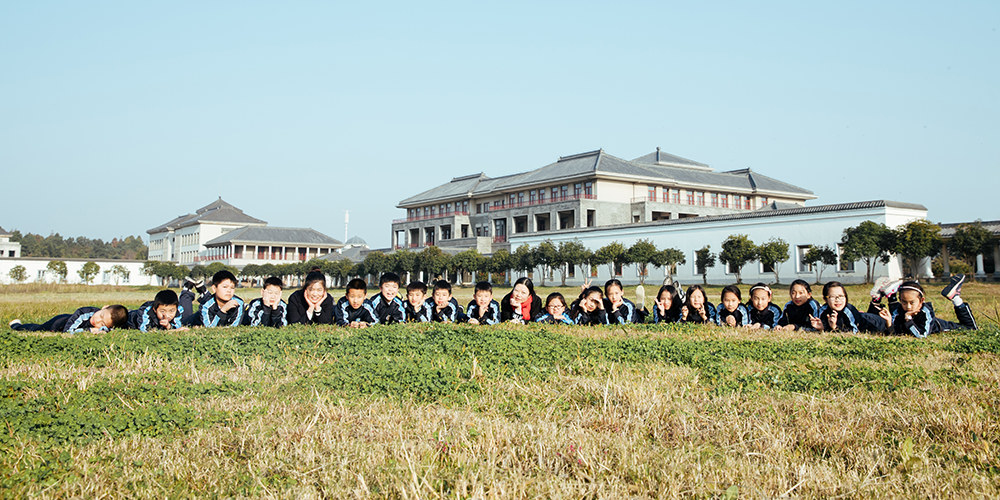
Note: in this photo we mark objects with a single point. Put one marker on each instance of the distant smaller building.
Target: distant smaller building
(8, 249)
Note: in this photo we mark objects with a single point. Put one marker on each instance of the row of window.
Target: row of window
(723, 200)
(532, 197)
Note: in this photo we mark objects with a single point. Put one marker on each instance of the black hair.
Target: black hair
(762, 286)
(273, 281)
(314, 277)
(221, 276)
(802, 283)
(672, 291)
(911, 285)
(526, 281)
(357, 284)
(615, 282)
(165, 298)
(835, 284)
(119, 315)
(589, 291)
(442, 285)
(733, 289)
(483, 286)
(417, 285)
(555, 295)
(388, 278)
(691, 290)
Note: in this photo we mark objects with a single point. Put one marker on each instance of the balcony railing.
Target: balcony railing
(430, 216)
(499, 239)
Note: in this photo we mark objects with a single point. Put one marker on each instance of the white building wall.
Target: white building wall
(35, 268)
(823, 228)
(621, 192)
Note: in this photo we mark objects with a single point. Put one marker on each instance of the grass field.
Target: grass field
(432, 411)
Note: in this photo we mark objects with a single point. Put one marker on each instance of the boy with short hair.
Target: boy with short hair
(269, 309)
(222, 308)
(162, 313)
(83, 319)
(416, 308)
(483, 310)
(354, 310)
(444, 309)
(387, 305)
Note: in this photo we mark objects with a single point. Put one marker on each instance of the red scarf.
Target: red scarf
(526, 309)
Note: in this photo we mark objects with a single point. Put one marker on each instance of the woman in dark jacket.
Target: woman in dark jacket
(312, 304)
(521, 305)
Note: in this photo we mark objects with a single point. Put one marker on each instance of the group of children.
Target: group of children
(906, 313)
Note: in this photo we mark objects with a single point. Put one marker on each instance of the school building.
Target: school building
(220, 232)
(597, 198)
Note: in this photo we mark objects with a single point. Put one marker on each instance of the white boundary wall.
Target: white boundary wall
(37, 273)
(817, 225)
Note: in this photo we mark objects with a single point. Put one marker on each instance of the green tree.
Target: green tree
(433, 261)
(669, 259)
(612, 254)
(470, 261)
(18, 273)
(737, 251)
(643, 253)
(120, 273)
(868, 242)
(970, 241)
(704, 260)
(88, 271)
(58, 268)
(819, 257)
(377, 263)
(546, 255)
(405, 263)
(251, 271)
(501, 262)
(198, 271)
(523, 259)
(915, 240)
(773, 253)
(571, 254)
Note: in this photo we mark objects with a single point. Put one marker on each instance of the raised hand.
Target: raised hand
(832, 320)
(731, 320)
(684, 312)
(815, 322)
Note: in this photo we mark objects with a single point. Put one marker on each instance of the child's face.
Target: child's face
(799, 295)
(316, 292)
(666, 299)
(270, 295)
(591, 302)
(730, 301)
(837, 299)
(556, 308)
(166, 312)
(614, 294)
(356, 298)
(389, 290)
(760, 299)
(911, 301)
(696, 298)
(224, 291)
(415, 298)
(483, 298)
(101, 318)
(441, 297)
(520, 293)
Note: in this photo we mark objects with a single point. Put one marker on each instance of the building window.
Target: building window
(690, 197)
(715, 199)
(520, 198)
(725, 201)
(479, 208)
(588, 188)
(532, 196)
(511, 198)
(763, 202)
(433, 211)
(675, 196)
(565, 192)
(701, 198)
(800, 254)
(746, 203)
(555, 194)
(651, 193)
(577, 189)
(618, 269)
(541, 195)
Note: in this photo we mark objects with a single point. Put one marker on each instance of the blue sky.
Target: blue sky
(116, 117)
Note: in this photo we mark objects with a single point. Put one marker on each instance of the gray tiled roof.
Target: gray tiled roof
(355, 254)
(275, 235)
(217, 211)
(670, 168)
(5, 233)
(755, 214)
(948, 230)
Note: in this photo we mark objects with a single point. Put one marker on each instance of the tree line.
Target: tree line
(54, 245)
